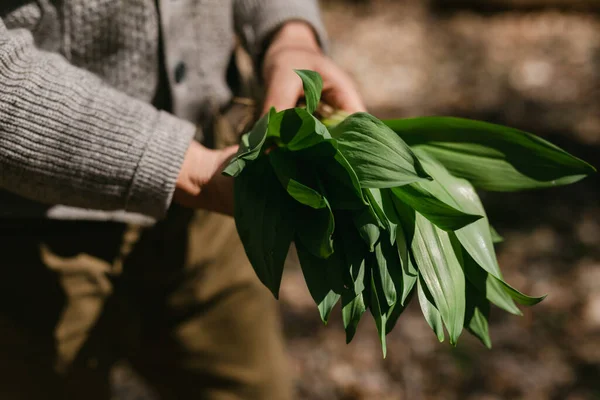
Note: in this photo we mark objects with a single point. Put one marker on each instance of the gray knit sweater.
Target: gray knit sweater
(78, 133)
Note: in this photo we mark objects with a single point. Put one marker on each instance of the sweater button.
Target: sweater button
(179, 72)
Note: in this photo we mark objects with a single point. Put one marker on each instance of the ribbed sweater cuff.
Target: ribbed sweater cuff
(271, 15)
(155, 176)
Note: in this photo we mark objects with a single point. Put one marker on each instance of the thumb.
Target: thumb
(225, 155)
(283, 92)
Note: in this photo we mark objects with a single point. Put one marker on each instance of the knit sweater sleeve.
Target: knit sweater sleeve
(68, 138)
(256, 20)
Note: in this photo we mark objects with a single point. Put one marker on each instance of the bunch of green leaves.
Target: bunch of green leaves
(379, 210)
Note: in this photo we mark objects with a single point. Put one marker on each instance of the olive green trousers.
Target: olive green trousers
(178, 301)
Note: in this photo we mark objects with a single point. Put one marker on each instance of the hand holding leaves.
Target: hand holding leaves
(295, 47)
(200, 183)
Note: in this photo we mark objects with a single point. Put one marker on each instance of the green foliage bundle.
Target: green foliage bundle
(381, 210)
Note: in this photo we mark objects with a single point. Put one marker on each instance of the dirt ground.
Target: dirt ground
(538, 70)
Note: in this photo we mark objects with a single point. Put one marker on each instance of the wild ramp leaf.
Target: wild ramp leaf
(492, 157)
(394, 313)
(495, 290)
(343, 273)
(406, 217)
(378, 156)
(375, 303)
(389, 210)
(313, 86)
(390, 280)
(475, 238)
(353, 308)
(442, 273)
(426, 203)
(297, 181)
(264, 220)
(320, 276)
(430, 312)
(354, 254)
(486, 284)
(315, 228)
(519, 297)
(368, 226)
(395, 274)
(342, 185)
(376, 203)
(477, 315)
(387, 272)
(251, 146)
(299, 130)
(372, 220)
(315, 220)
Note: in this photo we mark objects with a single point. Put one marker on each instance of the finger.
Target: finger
(341, 93)
(217, 194)
(345, 100)
(226, 155)
(283, 91)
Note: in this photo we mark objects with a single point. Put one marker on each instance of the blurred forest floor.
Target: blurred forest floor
(534, 69)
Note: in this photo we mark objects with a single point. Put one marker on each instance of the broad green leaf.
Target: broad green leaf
(354, 254)
(320, 275)
(405, 283)
(367, 224)
(392, 280)
(379, 317)
(477, 315)
(387, 264)
(475, 238)
(340, 180)
(264, 220)
(375, 201)
(395, 312)
(492, 157)
(409, 274)
(299, 130)
(379, 157)
(314, 229)
(519, 297)
(327, 305)
(496, 237)
(430, 312)
(442, 272)
(353, 307)
(404, 236)
(497, 290)
(488, 285)
(422, 200)
(250, 146)
(291, 177)
(389, 210)
(313, 85)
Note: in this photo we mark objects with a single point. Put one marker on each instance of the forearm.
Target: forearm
(67, 138)
(258, 20)
(294, 34)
